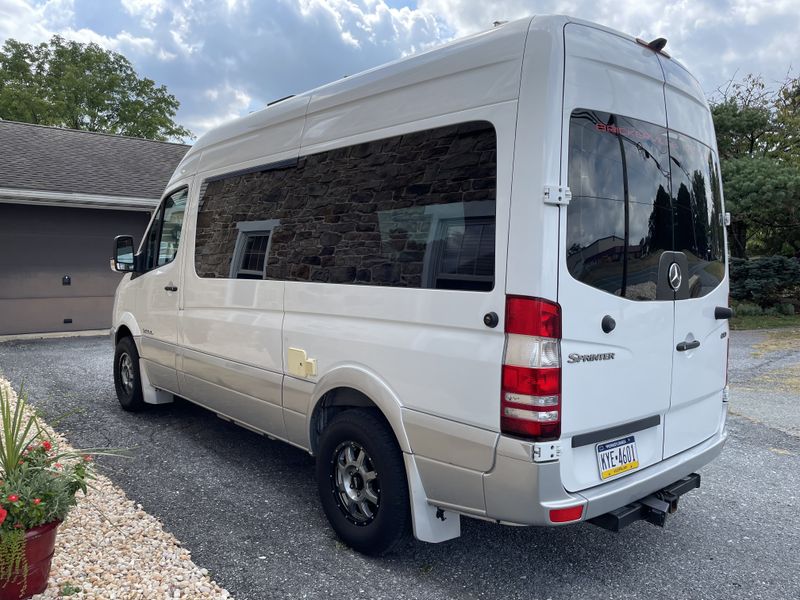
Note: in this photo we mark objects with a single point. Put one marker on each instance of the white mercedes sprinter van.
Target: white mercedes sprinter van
(487, 280)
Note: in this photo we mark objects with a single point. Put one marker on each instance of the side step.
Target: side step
(654, 508)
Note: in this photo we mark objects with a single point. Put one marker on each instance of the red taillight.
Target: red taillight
(562, 515)
(530, 402)
(532, 316)
(532, 382)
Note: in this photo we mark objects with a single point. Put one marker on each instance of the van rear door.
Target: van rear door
(618, 311)
(700, 342)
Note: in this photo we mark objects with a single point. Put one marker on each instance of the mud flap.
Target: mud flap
(431, 524)
(150, 394)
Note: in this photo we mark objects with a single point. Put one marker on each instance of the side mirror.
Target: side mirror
(123, 259)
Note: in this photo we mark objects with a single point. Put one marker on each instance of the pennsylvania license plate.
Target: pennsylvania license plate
(617, 457)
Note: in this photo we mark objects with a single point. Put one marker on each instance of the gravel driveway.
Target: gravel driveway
(247, 508)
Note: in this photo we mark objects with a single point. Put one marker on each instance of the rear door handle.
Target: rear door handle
(171, 288)
(684, 346)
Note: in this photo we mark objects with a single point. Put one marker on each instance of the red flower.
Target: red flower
(3, 514)
(58, 465)
(13, 498)
(37, 501)
(87, 458)
(47, 445)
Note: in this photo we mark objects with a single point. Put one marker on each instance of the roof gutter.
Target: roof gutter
(76, 200)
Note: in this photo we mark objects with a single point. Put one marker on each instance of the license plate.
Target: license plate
(617, 457)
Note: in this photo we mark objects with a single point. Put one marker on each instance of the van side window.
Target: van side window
(165, 231)
(415, 210)
(151, 245)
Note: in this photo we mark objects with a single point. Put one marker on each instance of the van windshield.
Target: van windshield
(638, 191)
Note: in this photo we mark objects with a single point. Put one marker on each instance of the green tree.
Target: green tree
(758, 135)
(83, 86)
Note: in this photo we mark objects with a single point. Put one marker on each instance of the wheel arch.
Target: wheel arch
(127, 326)
(354, 387)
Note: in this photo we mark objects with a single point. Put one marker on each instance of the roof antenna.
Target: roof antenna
(498, 23)
(657, 44)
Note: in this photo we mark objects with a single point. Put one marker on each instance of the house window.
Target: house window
(252, 248)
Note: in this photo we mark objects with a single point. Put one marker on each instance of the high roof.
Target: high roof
(58, 161)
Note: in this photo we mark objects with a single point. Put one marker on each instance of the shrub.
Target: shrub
(765, 281)
(786, 309)
(746, 309)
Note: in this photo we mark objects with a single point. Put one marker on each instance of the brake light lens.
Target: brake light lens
(530, 402)
(532, 316)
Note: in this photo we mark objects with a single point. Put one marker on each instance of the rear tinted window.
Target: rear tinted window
(638, 191)
(699, 226)
(618, 221)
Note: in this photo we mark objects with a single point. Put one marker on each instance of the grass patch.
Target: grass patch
(764, 321)
(69, 590)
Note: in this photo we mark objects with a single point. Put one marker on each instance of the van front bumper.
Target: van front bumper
(521, 492)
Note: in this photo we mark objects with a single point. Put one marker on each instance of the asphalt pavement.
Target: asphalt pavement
(247, 508)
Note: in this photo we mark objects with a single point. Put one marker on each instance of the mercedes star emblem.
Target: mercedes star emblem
(675, 277)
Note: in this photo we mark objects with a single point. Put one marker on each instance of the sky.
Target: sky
(226, 58)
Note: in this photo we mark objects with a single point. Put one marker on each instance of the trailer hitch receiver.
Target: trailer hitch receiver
(653, 508)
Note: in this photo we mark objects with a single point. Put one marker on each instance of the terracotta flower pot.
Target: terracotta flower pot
(39, 545)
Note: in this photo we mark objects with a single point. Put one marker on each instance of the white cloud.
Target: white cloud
(234, 102)
(125, 43)
(31, 23)
(363, 23)
(147, 10)
(755, 11)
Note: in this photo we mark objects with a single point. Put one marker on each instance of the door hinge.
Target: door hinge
(546, 451)
(560, 195)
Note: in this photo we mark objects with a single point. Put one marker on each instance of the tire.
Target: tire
(127, 379)
(364, 497)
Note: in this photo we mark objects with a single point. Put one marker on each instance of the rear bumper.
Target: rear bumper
(521, 492)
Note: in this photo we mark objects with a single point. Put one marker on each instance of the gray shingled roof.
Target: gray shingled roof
(34, 157)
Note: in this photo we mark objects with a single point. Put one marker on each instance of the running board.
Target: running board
(653, 509)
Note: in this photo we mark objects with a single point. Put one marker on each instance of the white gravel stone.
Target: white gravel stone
(109, 548)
